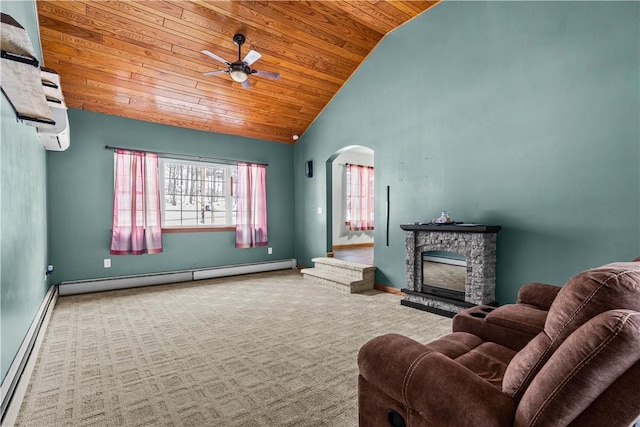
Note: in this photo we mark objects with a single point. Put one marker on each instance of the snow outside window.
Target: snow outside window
(197, 194)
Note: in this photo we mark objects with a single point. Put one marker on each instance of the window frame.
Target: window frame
(229, 197)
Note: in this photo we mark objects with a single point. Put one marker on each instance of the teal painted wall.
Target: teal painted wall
(23, 222)
(520, 114)
(80, 199)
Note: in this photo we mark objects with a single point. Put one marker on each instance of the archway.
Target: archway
(337, 235)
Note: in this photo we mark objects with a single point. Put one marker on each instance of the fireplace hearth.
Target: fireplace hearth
(434, 285)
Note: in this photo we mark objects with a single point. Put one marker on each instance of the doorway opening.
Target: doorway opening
(347, 239)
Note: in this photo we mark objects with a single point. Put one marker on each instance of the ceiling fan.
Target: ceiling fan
(240, 69)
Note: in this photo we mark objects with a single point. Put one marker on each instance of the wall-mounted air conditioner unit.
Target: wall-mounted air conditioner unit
(56, 138)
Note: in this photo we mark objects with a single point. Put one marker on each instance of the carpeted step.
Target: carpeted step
(346, 268)
(340, 282)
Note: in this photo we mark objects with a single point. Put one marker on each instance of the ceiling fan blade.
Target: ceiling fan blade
(246, 84)
(251, 57)
(267, 74)
(215, 73)
(214, 56)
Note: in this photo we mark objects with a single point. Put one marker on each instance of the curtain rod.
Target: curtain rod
(186, 156)
(354, 164)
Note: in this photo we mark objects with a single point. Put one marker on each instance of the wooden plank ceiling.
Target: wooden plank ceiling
(142, 59)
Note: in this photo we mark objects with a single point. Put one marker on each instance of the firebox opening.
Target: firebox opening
(444, 274)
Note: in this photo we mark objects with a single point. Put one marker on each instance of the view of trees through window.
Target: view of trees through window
(196, 194)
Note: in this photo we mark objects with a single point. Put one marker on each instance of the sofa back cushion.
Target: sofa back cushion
(583, 297)
(587, 363)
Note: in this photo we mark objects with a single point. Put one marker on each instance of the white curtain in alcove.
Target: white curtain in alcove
(359, 198)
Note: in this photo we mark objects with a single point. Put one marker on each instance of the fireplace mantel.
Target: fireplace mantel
(476, 242)
(458, 228)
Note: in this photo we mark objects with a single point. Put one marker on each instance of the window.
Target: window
(197, 194)
(359, 197)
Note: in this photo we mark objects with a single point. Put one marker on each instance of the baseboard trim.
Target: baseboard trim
(389, 289)
(16, 378)
(168, 277)
(353, 246)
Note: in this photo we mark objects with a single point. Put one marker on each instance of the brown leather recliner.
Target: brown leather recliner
(581, 369)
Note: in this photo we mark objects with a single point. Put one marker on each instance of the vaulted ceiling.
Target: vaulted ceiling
(142, 59)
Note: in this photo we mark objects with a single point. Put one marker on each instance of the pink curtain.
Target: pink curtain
(360, 198)
(251, 212)
(136, 205)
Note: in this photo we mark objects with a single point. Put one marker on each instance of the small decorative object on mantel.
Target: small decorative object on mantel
(445, 218)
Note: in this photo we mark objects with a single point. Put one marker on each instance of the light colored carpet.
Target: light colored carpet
(258, 350)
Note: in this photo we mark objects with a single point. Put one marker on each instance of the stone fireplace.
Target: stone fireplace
(476, 244)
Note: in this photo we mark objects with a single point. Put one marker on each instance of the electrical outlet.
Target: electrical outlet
(270, 251)
(107, 263)
(320, 211)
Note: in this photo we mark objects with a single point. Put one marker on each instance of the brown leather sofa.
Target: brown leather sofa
(567, 356)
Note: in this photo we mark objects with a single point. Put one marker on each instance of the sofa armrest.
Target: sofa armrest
(441, 390)
(539, 295)
(510, 325)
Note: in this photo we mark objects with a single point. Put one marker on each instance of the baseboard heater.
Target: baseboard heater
(14, 373)
(123, 282)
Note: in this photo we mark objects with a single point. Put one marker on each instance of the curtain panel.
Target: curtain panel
(359, 198)
(137, 228)
(251, 212)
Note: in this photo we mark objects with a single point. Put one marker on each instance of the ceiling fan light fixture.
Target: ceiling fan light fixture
(238, 75)
(239, 72)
